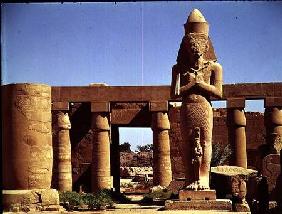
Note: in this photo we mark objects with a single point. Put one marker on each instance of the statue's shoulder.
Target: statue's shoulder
(215, 66)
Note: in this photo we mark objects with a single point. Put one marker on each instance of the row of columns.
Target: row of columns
(101, 163)
(236, 122)
(101, 153)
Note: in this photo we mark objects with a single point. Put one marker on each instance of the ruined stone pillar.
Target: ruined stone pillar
(100, 167)
(62, 175)
(237, 130)
(27, 154)
(273, 120)
(162, 174)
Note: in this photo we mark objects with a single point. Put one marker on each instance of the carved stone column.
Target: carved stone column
(273, 122)
(27, 136)
(27, 154)
(100, 167)
(162, 174)
(237, 130)
(62, 175)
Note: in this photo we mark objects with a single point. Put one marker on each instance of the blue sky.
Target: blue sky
(135, 43)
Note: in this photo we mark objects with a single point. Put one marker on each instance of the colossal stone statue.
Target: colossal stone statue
(196, 77)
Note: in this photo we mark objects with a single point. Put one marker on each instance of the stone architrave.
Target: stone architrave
(27, 136)
(271, 169)
(100, 167)
(62, 152)
(162, 174)
(196, 78)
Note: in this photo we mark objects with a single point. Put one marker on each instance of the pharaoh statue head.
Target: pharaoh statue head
(196, 41)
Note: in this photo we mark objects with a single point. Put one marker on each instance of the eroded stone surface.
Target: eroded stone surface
(62, 175)
(230, 180)
(271, 169)
(233, 171)
(36, 197)
(27, 141)
(100, 166)
(161, 149)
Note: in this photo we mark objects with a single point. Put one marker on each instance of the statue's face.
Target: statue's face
(196, 44)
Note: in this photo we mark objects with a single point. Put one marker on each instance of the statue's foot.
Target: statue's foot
(202, 185)
(193, 186)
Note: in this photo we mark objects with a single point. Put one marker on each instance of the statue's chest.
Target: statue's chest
(207, 75)
(204, 74)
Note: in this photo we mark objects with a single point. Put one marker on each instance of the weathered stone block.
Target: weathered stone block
(225, 179)
(176, 185)
(63, 106)
(190, 195)
(100, 106)
(158, 106)
(273, 102)
(48, 197)
(244, 207)
(38, 197)
(235, 103)
(219, 204)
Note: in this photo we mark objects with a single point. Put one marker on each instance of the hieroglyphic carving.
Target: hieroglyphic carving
(128, 105)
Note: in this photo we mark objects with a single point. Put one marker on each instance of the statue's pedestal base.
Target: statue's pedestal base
(198, 200)
(188, 195)
(33, 200)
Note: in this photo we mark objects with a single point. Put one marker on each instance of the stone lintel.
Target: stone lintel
(219, 205)
(273, 102)
(235, 103)
(158, 106)
(157, 93)
(100, 106)
(188, 195)
(60, 106)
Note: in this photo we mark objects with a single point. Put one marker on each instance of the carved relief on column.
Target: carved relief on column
(100, 168)
(162, 174)
(62, 175)
(237, 130)
(273, 123)
(27, 140)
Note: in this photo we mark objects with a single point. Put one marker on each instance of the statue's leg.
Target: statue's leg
(206, 143)
(186, 146)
